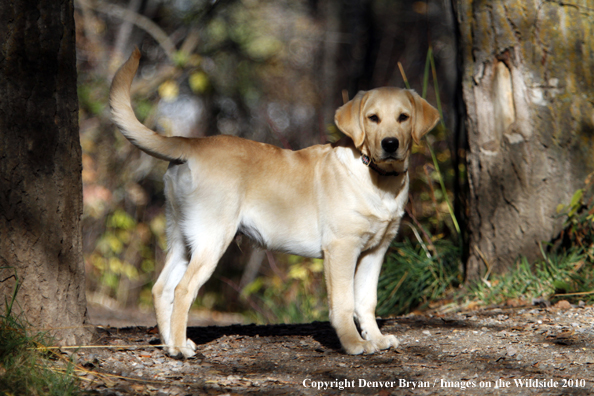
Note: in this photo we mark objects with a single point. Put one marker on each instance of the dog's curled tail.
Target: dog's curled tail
(166, 148)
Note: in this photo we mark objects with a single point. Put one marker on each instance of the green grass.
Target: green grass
(560, 275)
(24, 368)
(415, 275)
(413, 278)
(566, 272)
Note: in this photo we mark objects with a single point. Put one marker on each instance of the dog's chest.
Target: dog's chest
(381, 228)
(385, 212)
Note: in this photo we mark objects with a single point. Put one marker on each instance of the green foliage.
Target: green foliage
(93, 97)
(558, 273)
(297, 297)
(430, 64)
(579, 224)
(413, 275)
(143, 108)
(24, 368)
(123, 253)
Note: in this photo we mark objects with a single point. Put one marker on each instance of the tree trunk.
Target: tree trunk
(528, 88)
(40, 168)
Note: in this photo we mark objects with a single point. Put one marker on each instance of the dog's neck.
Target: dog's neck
(367, 161)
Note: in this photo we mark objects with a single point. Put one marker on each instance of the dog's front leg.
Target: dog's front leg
(366, 279)
(340, 260)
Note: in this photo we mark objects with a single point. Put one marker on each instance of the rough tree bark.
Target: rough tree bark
(528, 88)
(40, 167)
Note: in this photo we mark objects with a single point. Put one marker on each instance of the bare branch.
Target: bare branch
(139, 20)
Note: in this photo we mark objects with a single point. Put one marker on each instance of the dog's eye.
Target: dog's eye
(374, 118)
(403, 117)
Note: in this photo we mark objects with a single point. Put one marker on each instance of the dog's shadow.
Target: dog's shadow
(321, 332)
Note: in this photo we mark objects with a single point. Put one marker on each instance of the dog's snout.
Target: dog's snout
(390, 145)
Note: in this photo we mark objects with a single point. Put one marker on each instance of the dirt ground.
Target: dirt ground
(497, 351)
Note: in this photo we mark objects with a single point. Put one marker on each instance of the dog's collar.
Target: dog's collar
(369, 162)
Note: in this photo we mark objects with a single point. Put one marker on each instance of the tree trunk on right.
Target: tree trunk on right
(528, 89)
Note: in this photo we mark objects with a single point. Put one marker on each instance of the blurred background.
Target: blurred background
(271, 71)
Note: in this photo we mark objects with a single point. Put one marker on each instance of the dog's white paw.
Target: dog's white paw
(371, 346)
(359, 347)
(386, 342)
(186, 352)
(190, 344)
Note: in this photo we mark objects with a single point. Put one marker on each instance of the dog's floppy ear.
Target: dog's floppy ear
(348, 119)
(425, 116)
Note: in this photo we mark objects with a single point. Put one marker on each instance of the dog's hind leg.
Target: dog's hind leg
(205, 256)
(175, 267)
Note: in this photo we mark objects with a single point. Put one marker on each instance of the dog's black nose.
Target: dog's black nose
(390, 144)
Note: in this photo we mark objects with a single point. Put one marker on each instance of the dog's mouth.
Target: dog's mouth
(391, 159)
(391, 163)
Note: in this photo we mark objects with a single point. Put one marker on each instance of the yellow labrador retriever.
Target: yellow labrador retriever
(342, 202)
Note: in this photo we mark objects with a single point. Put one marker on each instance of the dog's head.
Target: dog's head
(383, 123)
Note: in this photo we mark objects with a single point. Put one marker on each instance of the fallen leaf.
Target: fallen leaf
(563, 304)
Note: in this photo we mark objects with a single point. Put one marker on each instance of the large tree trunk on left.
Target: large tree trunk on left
(40, 168)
